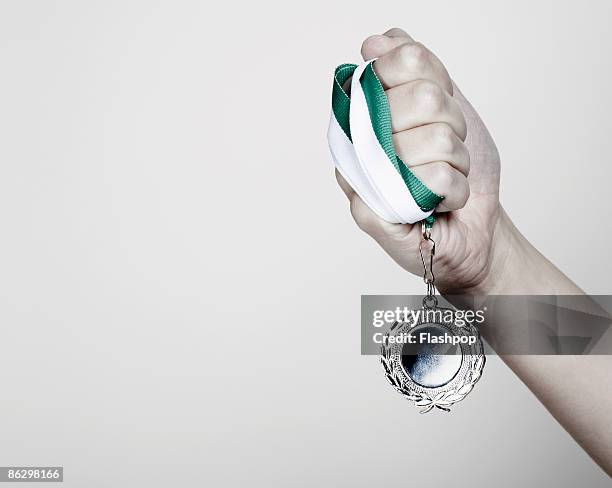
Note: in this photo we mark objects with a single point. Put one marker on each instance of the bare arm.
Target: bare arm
(562, 383)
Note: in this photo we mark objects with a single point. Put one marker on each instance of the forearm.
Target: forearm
(575, 389)
(518, 268)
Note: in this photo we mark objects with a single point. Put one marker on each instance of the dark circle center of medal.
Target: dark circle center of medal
(431, 362)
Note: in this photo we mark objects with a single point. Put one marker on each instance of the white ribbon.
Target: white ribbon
(365, 165)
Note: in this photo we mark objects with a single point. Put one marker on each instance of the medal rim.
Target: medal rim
(456, 389)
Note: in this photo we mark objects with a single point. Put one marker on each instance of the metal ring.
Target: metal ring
(426, 231)
(430, 301)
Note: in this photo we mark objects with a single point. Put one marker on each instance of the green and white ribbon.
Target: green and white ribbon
(361, 142)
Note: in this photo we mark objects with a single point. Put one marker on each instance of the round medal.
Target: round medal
(434, 362)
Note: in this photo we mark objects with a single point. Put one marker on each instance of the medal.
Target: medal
(433, 361)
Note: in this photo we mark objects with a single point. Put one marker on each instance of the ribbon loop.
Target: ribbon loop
(361, 142)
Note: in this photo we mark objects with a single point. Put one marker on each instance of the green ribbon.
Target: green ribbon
(380, 117)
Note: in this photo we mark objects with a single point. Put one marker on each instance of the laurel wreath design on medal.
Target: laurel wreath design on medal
(440, 397)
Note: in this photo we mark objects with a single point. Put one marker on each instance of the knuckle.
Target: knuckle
(444, 138)
(465, 196)
(413, 56)
(443, 178)
(370, 45)
(463, 125)
(466, 157)
(461, 193)
(430, 96)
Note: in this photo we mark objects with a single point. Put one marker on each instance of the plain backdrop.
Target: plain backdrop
(180, 277)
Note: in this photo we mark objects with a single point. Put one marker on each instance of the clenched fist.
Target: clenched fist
(443, 141)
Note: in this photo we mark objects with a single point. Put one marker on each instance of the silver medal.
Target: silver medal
(433, 361)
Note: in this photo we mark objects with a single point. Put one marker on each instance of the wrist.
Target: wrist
(516, 267)
(507, 257)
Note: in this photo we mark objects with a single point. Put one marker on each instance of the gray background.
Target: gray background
(166, 187)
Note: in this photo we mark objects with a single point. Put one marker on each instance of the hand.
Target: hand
(439, 135)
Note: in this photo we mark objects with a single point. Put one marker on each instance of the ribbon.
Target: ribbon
(361, 143)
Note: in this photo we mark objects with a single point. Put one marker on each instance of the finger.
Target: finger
(423, 102)
(432, 142)
(376, 46)
(346, 188)
(372, 224)
(407, 62)
(397, 32)
(446, 181)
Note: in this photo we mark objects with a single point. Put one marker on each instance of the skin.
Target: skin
(479, 250)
